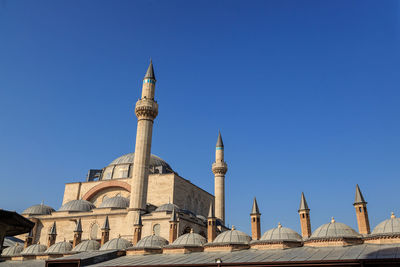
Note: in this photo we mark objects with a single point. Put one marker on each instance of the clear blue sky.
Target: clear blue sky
(305, 93)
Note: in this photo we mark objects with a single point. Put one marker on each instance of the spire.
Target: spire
(138, 219)
(359, 197)
(150, 72)
(78, 227)
(173, 216)
(53, 230)
(211, 213)
(303, 203)
(255, 209)
(219, 141)
(106, 225)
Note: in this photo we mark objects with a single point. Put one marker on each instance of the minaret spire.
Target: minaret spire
(255, 221)
(219, 168)
(146, 111)
(361, 212)
(305, 221)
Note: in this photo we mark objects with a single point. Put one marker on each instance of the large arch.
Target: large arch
(108, 184)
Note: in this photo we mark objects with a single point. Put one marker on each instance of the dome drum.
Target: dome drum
(333, 242)
(187, 243)
(275, 244)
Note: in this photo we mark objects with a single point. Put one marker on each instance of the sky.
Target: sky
(305, 93)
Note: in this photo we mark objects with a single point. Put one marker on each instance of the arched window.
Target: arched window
(93, 231)
(156, 229)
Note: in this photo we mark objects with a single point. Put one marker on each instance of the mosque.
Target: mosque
(137, 211)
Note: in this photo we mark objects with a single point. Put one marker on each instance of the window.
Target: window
(359, 209)
(156, 229)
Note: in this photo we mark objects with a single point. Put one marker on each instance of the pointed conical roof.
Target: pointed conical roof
(219, 141)
(138, 219)
(173, 216)
(106, 225)
(78, 227)
(359, 197)
(255, 209)
(211, 213)
(303, 203)
(53, 230)
(150, 72)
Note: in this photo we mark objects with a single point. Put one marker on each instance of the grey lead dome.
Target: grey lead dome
(128, 158)
(12, 251)
(116, 243)
(152, 241)
(59, 248)
(190, 239)
(115, 202)
(388, 227)
(87, 245)
(281, 234)
(334, 229)
(77, 205)
(232, 237)
(39, 209)
(168, 207)
(34, 249)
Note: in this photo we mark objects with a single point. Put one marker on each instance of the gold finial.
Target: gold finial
(233, 227)
(392, 216)
(191, 230)
(332, 220)
(279, 225)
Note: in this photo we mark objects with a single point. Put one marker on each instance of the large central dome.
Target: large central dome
(122, 167)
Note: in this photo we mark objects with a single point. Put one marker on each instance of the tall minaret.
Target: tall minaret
(361, 212)
(219, 168)
(146, 111)
(305, 221)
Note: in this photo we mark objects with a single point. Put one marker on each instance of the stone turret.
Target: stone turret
(173, 227)
(361, 212)
(305, 221)
(146, 111)
(28, 239)
(255, 221)
(77, 233)
(137, 232)
(105, 232)
(211, 225)
(52, 235)
(219, 168)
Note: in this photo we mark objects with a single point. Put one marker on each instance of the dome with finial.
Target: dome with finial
(11, 251)
(168, 207)
(388, 227)
(77, 205)
(116, 243)
(232, 236)
(152, 241)
(59, 248)
(87, 245)
(115, 202)
(190, 239)
(334, 230)
(281, 234)
(39, 209)
(34, 249)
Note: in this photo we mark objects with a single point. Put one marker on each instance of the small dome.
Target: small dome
(34, 249)
(334, 229)
(152, 241)
(388, 227)
(116, 243)
(190, 239)
(128, 158)
(59, 248)
(39, 209)
(168, 207)
(201, 217)
(87, 245)
(281, 234)
(12, 251)
(77, 205)
(115, 202)
(233, 237)
(10, 241)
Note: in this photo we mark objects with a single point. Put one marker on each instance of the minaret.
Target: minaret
(28, 239)
(305, 221)
(137, 233)
(146, 110)
(219, 168)
(77, 234)
(361, 212)
(52, 235)
(105, 232)
(211, 225)
(173, 227)
(255, 221)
